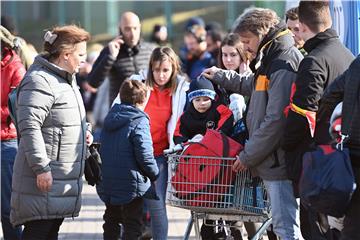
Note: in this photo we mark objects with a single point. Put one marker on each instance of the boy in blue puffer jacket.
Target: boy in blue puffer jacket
(128, 165)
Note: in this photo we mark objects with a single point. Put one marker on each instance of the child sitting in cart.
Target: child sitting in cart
(203, 113)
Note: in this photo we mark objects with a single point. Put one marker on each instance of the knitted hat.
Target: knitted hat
(194, 21)
(201, 87)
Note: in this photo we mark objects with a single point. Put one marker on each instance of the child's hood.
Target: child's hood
(120, 115)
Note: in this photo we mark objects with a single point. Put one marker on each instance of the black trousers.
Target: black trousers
(129, 215)
(42, 229)
(310, 222)
(351, 221)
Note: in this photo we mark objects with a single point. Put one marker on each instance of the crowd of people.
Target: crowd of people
(279, 78)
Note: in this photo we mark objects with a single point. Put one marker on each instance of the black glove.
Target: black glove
(93, 165)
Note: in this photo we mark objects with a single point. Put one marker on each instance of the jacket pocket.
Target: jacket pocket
(59, 144)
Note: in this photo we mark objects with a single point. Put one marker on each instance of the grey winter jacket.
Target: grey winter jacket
(269, 90)
(51, 121)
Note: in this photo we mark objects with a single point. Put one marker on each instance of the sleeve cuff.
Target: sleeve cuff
(243, 159)
(111, 57)
(42, 170)
(218, 76)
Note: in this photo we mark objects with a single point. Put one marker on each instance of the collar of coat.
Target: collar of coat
(319, 38)
(276, 40)
(42, 60)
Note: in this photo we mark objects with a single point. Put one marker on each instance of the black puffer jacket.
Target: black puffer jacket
(129, 61)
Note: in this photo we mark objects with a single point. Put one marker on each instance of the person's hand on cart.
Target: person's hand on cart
(238, 165)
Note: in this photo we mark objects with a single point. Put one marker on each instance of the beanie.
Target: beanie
(201, 87)
(194, 21)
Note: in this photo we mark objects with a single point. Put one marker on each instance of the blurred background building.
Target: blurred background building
(100, 18)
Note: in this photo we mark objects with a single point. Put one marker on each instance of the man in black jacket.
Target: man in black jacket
(327, 58)
(346, 88)
(125, 55)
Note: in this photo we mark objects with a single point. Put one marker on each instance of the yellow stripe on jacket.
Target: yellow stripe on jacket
(309, 115)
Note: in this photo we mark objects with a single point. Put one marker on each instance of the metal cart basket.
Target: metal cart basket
(209, 188)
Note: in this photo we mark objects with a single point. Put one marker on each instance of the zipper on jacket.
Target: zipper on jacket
(276, 158)
(82, 150)
(59, 145)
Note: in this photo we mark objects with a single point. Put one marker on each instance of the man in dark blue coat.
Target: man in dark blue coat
(346, 88)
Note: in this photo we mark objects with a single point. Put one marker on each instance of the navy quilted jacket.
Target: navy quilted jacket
(128, 164)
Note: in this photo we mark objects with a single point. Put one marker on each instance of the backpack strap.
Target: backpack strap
(12, 105)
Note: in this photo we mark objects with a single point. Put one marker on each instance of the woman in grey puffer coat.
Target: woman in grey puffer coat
(51, 120)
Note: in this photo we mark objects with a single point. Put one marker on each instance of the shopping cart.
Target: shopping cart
(211, 191)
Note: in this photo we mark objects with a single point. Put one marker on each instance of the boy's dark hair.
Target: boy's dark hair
(133, 92)
(315, 15)
(292, 14)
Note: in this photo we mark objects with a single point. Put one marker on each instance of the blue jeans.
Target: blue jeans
(8, 153)
(157, 208)
(284, 209)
